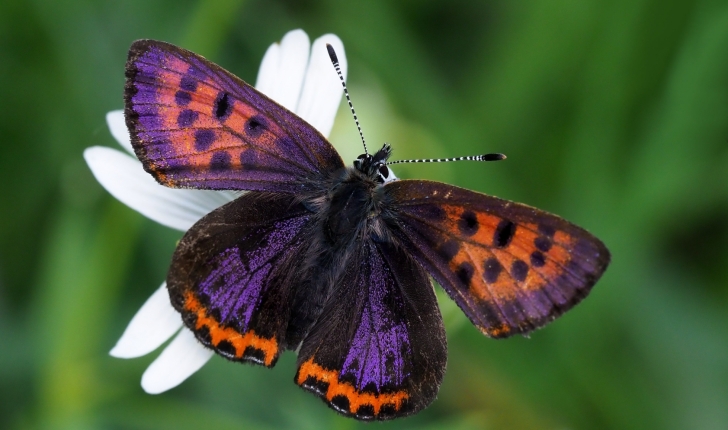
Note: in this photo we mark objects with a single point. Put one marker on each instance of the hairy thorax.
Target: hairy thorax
(351, 206)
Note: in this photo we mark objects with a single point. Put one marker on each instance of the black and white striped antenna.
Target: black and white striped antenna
(484, 157)
(335, 62)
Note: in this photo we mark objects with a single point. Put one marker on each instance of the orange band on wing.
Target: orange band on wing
(239, 341)
(356, 398)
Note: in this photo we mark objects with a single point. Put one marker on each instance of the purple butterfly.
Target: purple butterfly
(329, 260)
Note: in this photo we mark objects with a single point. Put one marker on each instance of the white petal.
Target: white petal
(268, 71)
(117, 126)
(179, 360)
(154, 323)
(322, 90)
(281, 73)
(125, 179)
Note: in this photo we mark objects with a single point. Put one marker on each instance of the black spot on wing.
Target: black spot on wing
(223, 106)
(465, 272)
(504, 233)
(182, 98)
(186, 118)
(432, 213)
(519, 270)
(255, 126)
(448, 249)
(189, 318)
(537, 259)
(388, 410)
(468, 223)
(254, 354)
(204, 139)
(188, 83)
(365, 412)
(492, 269)
(220, 161)
(317, 386)
(546, 230)
(203, 334)
(226, 349)
(543, 243)
(340, 403)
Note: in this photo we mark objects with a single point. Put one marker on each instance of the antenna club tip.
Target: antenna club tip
(494, 157)
(332, 53)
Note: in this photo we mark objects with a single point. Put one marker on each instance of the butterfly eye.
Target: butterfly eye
(385, 175)
(362, 157)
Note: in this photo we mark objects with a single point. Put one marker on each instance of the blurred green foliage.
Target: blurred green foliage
(614, 114)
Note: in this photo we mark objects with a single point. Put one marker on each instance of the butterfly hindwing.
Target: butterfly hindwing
(378, 350)
(229, 275)
(510, 267)
(195, 125)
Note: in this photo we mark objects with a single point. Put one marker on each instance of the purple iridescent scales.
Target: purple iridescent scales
(228, 274)
(381, 343)
(195, 125)
(235, 284)
(382, 330)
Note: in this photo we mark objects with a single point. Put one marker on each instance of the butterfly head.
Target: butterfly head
(375, 166)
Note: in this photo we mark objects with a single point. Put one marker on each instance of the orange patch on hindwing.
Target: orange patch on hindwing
(239, 341)
(356, 398)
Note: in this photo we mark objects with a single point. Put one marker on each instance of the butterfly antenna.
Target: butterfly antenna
(335, 62)
(484, 157)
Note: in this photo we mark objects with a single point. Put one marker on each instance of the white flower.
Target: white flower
(293, 73)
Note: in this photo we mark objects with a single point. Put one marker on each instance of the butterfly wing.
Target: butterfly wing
(195, 125)
(510, 267)
(229, 276)
(378, 350)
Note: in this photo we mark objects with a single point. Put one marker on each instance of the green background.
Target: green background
(613, 114)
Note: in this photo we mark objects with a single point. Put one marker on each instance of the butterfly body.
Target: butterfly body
(334, 261)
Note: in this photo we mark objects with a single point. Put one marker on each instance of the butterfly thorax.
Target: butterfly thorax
(350, 198)
(350, 203)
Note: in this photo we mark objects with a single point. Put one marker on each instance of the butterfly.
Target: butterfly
(331, 261)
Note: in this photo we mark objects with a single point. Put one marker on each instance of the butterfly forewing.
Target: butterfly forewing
(378, 351)
(510, 267)
(230, 275)
(195, 125)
